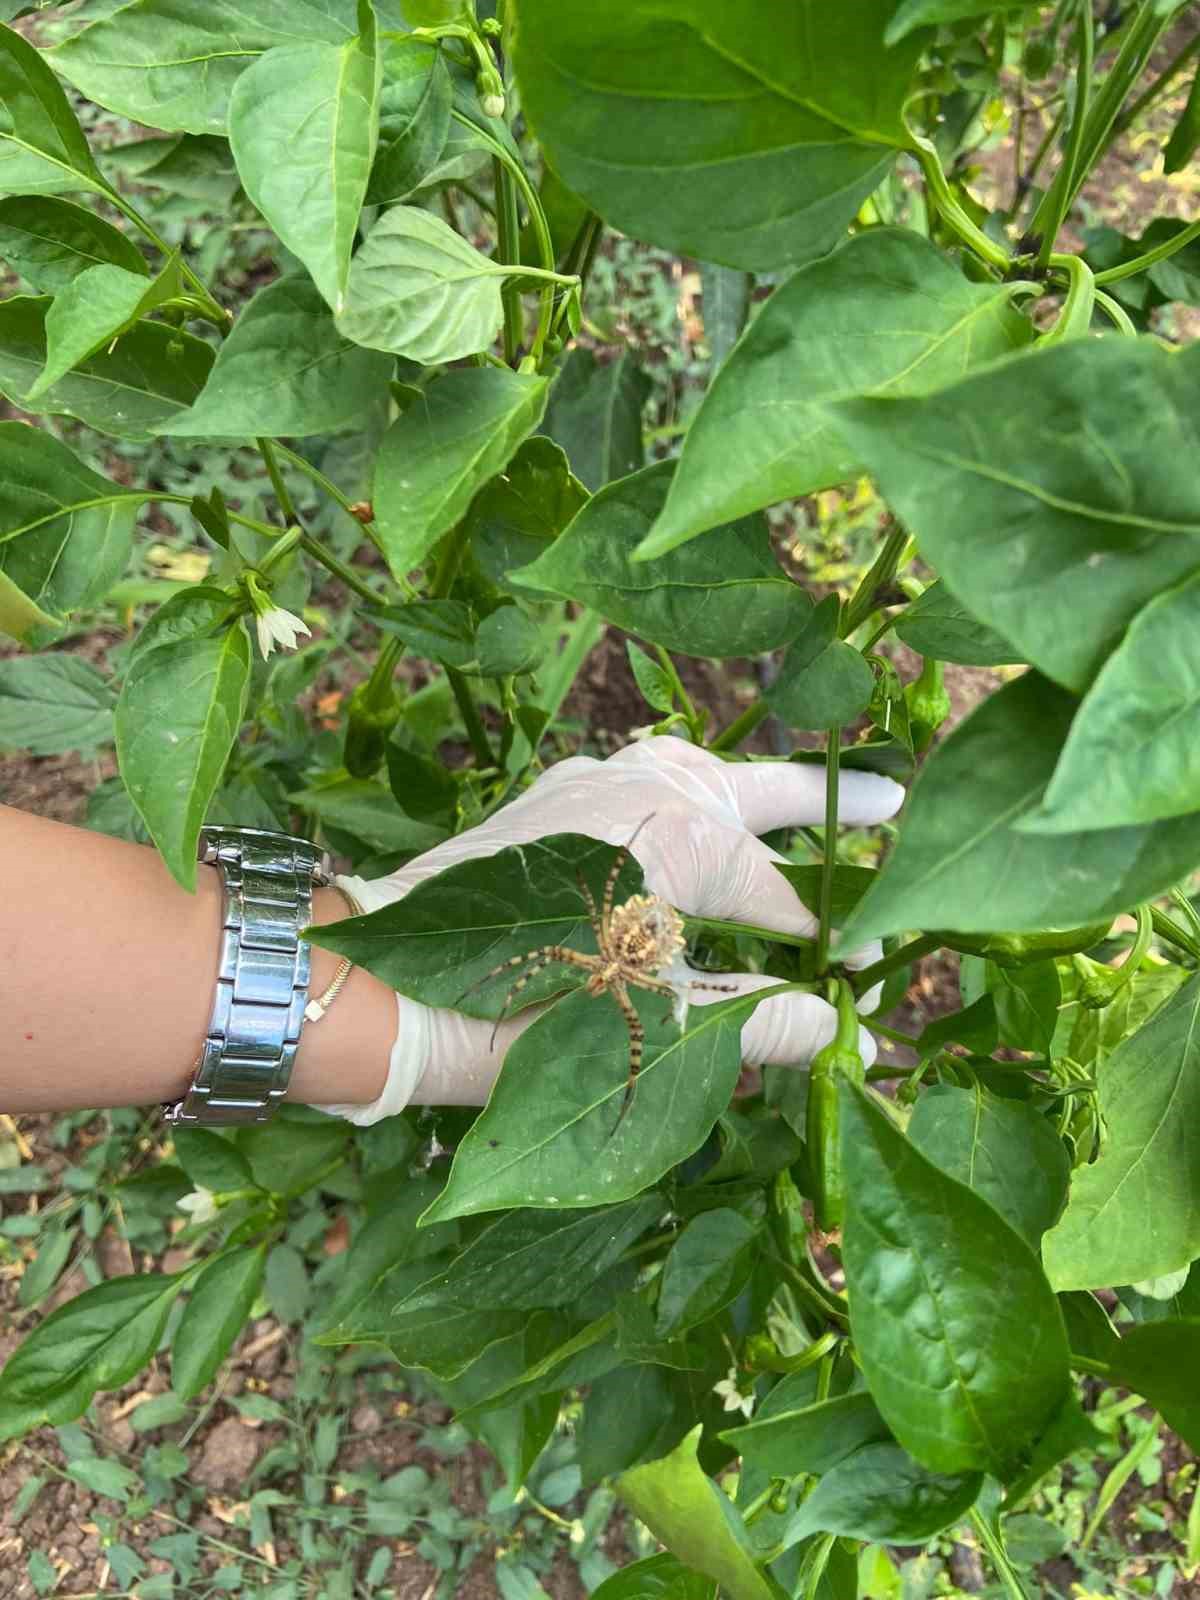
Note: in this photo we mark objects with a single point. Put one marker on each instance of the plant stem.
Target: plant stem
(508, 247)
(283, 494)
(1129, 269)
(983, 1527)
(336, 495)
(741, 727)
(1115, 313)
(127, 209)
(881, 572)
(469, 712)
(1167, 928)
(833, 756)
(1026, 182)
(1188, 909)
(1135, 51)
(1159, 86)
(951, 212)
(1056, 202)
(694, 721)
(902, 957)
(312, 547)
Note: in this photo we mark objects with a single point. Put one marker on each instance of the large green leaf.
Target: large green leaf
(880, 1493)
(65, 532)
(737, 134)
(811, 1438)
(42, 147)
(368, 811)
(151, 374)
(962, 862)
(1134, 1213)
(1159, 1361)
(1050, 491)
(725, 595)
(178, 716)
(447, 445)
(515, 516)
(93, 311)
(936, 624)
(957, 1330)
(687, 1512)
(98, 1340)
(660, 1577)
(595, 414)
(549, 1135)
(173, 63)
(414, 119)
(51, 703)
(913, 14)
(303, 123)
(886, 313)
(285, 369)
(1133, 752)
(706, 1268)
(1003, 1149)
(49, 241)
(422, 291)
(217, 1311)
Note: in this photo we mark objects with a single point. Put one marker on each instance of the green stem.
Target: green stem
(881, 572)
(951, 212)
(902, 957)
(127, 209)
(348, 576)
(1167, 928)
(1115, 313)
(833, 756)
(983, 1527)
(1075, 317)
(1188, 909)
(1136, 952)
(1135, 51)
(471, 718)
(1158, 87)
(694, 721)
(508, 247)
(1129, 269)
(819, 1560)
(283, 494)
(809, 1291)
(741, 727)
(1056, 202)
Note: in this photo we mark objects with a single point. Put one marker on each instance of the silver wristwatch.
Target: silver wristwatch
(262, 983)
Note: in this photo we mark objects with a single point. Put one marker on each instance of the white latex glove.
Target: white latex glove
(698, 851)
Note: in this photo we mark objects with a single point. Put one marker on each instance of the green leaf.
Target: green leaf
(1185, 136)
(725, 303)
(65, 532)
(178, 717)
(288, 1286)
(549, 1135)
(103, 1477)
(42, 147)
(812, 1439)
(515, 516)
(1131, 754)
(368, 811)
(287, 1156)
(284, 369)
(1049, 490)
(195, 612)
(1134, 1213)
(440, 630)
(436, 455)
(880, 1493)
(211, 1161)
(217, 1310)
(726, 595)
(962, 862)
(1158, 1361)
(388, 1238)
(414, 119)
(922, 1252)
(53, 703)
(98, 1340)
(422, 291)
(49, 242)
(449, 932)
(1003, 1149)
(687, 1512)
(196, 166)
(706, 1268)
(43, 1272)
(632, 1414)
(423, 789)
(595, 414)
(913, 14)
(508, 642)
(849, 885)
(826, 693)
(152, 373)
(653, 682)
(94, 310)
(886, 313)
(661, 1577)
(303, 122)
(173, 63)
(938, 625)
(1027, 999)
(726, 134)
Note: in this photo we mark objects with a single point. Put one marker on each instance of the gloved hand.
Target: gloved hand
(698, 851)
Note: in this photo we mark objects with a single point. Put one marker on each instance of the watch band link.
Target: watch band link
(262, 981)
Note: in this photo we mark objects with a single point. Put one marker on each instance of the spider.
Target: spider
(634, 941)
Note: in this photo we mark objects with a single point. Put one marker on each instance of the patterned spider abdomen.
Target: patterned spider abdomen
(644, 934)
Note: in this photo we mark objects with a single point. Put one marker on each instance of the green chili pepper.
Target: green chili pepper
(1019, 949)
(371, 720)
(840, 1059)
(928, 704)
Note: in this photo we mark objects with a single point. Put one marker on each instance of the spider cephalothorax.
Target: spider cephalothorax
(635, 942)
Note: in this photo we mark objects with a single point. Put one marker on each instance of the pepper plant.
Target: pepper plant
(819, 1315)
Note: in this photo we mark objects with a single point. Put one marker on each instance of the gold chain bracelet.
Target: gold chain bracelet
(316, 1009)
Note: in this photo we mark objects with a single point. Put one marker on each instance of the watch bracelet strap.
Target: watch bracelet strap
(262, 979)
